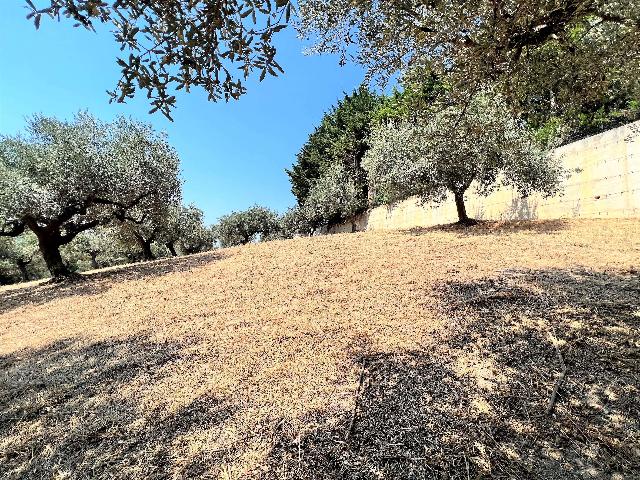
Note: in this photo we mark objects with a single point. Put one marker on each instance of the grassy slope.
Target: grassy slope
(370, 355)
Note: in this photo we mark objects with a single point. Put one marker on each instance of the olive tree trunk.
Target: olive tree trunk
(94, 260)
(463, 218)
(145, 245)
(24, 273)
(50, 250)
(172, 249)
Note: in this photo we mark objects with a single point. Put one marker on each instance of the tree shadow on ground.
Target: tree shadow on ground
(99, 281)
(494, 227)
(475, 406)
(73, 409)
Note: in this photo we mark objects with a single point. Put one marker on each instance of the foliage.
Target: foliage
(563, 53)
(149, 226)
(339, 140)
(294, 222)
(334, 197)
(96, 248)
(215, 45)
(480, 143)
(185, 228)
(422, 91)
(239, 228)
(19, 259)
(63, 178)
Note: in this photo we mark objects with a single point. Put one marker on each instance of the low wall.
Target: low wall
(603, 181)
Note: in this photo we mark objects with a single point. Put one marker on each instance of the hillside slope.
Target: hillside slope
(427, 354)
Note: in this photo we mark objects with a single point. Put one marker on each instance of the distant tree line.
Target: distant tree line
(425, 139)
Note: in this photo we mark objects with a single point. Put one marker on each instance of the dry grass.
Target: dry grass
(426, 354)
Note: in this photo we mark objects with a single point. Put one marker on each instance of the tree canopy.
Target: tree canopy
(240, 228)
(559, 53)
(338, 143)
(64, 177)
(215, 45)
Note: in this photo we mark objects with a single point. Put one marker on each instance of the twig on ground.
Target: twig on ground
(466, 465)
(356, 404)
(563, 373)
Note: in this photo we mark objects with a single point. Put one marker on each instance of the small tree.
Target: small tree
(21, 251)
(333, 198)
(100, 247)
(240, 228)
(184, 231)
(452, 149)
(294, 222)
(64, 178)
(193, 236)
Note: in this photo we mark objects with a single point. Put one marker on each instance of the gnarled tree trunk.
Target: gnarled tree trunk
(145, 245)
(94, 260)
(51, 253)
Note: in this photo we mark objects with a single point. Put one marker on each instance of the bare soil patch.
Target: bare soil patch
(427, 354)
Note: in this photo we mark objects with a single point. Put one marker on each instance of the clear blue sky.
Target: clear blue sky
(233, 154)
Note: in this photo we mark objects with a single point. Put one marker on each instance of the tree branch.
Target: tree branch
(72, 229)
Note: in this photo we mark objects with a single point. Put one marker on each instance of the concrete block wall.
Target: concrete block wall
(603, 182)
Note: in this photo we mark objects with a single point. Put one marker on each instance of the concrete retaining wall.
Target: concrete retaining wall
(603, 181)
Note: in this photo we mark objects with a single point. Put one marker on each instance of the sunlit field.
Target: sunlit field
(421, 354)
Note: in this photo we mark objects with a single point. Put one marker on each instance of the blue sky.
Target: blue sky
(233, 154)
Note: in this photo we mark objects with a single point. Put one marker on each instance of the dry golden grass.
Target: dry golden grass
(424, 354)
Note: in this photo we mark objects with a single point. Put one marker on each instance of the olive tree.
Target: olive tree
(21, 252)
(167, 229)
(96, 248)
(65, 177)
(147, 227)
(240, 228)
(554, 52)
(191, 234)
(334, 197)
(295, 222)
(176, 44)
(479, 144)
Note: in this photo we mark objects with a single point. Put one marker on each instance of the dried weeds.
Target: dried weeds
(426, 354)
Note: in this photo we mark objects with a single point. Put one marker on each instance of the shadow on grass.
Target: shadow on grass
(491, 227)
(74, 409)
(95, 282)
(476, 405)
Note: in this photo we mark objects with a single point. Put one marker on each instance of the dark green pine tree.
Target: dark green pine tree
(341, 138)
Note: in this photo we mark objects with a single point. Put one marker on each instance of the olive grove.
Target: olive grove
(62, 178)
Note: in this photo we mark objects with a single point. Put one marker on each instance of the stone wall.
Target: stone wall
(603, 181)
